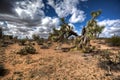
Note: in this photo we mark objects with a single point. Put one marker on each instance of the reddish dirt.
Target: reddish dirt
(50, 64)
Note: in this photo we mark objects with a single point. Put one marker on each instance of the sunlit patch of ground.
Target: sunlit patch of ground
(49, 64)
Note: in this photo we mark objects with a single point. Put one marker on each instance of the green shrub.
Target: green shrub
(35, 37)
(40, 41)
(88, 49)
(114, 41)
(110, 61)
(22, 41)
(27, 50)
(111, 58)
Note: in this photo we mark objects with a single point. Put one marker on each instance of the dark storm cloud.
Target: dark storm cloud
(23, 29)
(5, 17)
(18, 17)
(6, 6)
(17, 21)
(13, 13)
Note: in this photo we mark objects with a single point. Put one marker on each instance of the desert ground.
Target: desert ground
(51, 64)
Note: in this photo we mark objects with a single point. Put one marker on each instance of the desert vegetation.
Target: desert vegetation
(27, 50)
(114, 40)
(60, 57)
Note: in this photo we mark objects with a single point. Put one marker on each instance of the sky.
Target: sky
(27, 17)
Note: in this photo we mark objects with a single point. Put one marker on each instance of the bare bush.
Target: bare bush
(27, 50)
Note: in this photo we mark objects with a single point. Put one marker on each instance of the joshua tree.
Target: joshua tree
(91, 31)
(99, 30)
(95, 14)
(64, 33)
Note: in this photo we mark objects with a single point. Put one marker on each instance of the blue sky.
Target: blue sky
(28, 17)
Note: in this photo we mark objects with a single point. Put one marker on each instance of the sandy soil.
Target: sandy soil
(50, 64)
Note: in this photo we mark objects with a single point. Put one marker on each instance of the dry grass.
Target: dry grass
(50, 64)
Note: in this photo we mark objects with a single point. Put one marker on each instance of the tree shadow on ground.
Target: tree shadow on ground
(3, 71)
(106, 65)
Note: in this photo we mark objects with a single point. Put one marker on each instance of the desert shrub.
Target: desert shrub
(49, 43)
(105, 54)
(88, 49)
(114, 41)
(40, 41)
(44, 46)
(110, 60)
(27, 50)
(22, 41)
(35, 37)
(116, 78)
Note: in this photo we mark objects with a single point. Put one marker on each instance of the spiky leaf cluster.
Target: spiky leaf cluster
(63, 33)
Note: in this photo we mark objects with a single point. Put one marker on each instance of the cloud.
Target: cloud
(17, 27)
(111, 27)
(12, 19)
(77, 16)
(6, 6)
(48, 21)
(28, 20)
(76, 29)
(84, 0)
(29, 9)
(64, 8)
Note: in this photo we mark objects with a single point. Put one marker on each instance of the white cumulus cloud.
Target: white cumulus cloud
(112, 27)
(29, 19)
(68, 7)
(77, 16)
(16, 28)
(29, 9)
